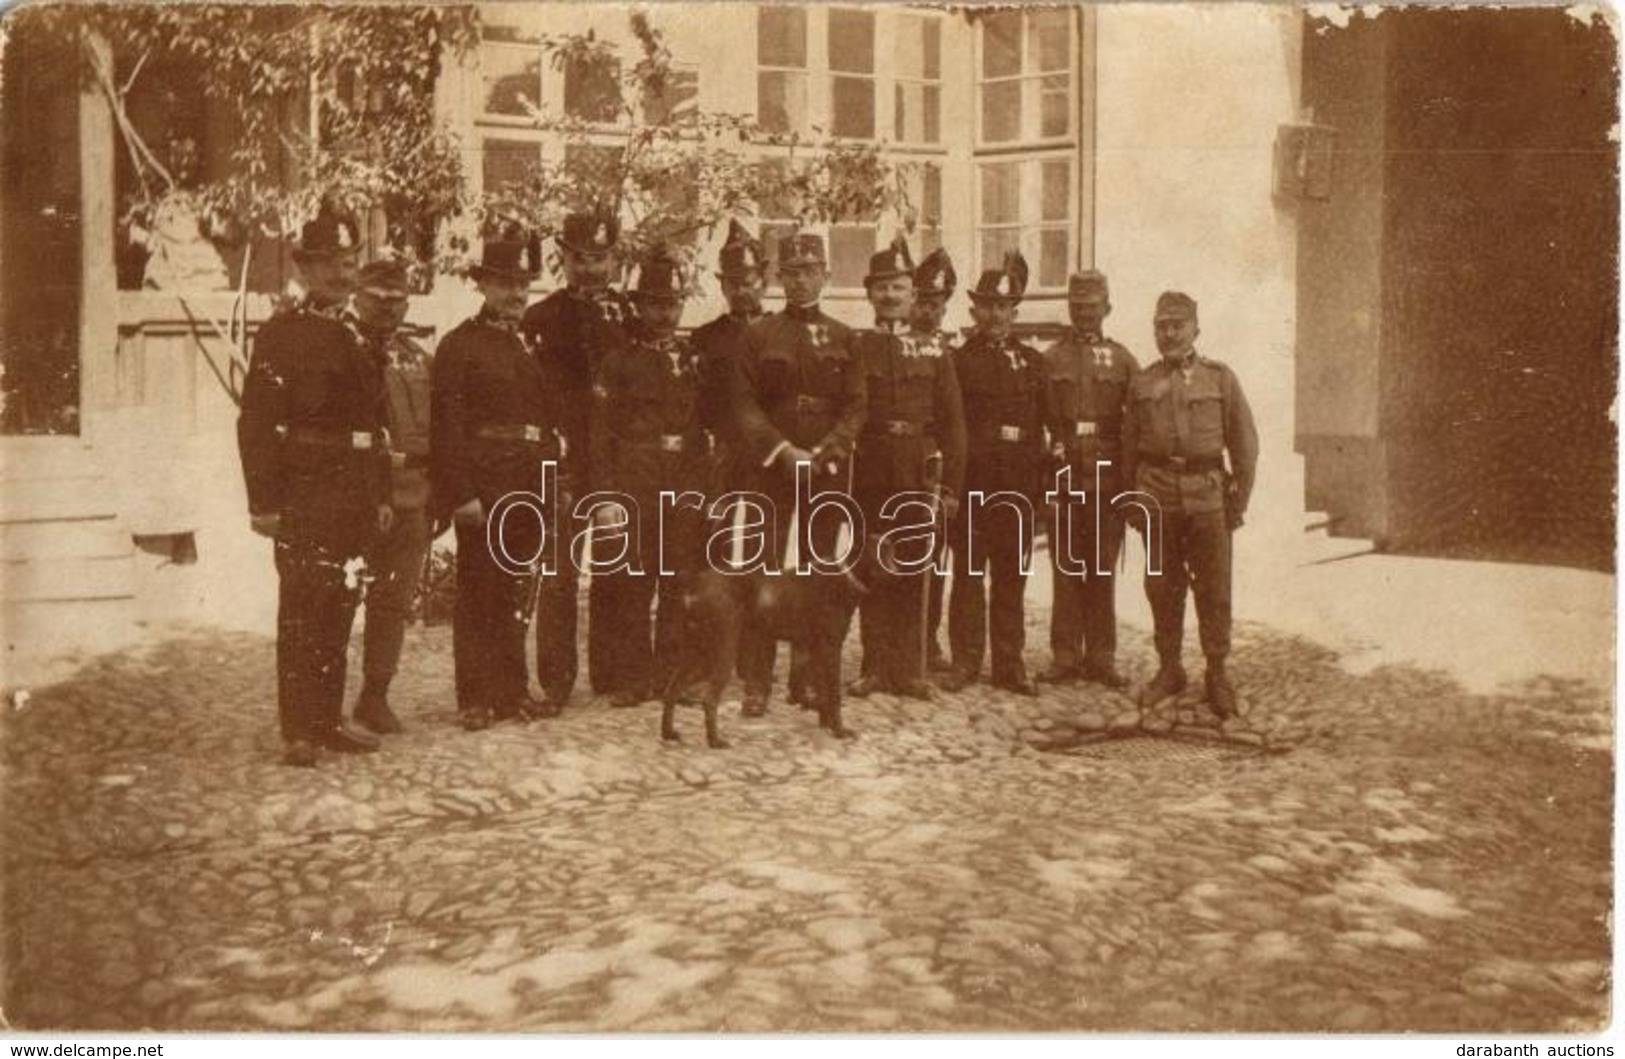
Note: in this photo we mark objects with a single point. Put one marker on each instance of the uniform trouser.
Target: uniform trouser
(936, 585)
(642, 648)
(1083, 619)
(488, 626)
(892, 628)
(396, 566)
(558, 602)
(999, 546)
(1196, 557)
(316, 602)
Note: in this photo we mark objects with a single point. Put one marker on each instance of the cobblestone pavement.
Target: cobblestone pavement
(1375, 852)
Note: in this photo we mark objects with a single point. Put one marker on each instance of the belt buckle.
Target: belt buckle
(360, 439)
(671, 442)
(533, 433)
(1086, 429)
(397, 460)
(1009, 433)
(897, 428)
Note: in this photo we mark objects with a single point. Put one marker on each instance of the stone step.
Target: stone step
(53, 499)
(66, 580)
(91, 538)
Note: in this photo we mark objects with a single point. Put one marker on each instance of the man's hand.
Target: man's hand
(950, 506)
(609, 515)
(791, 455)
(470, 514)
(386, 518)
(1234, 518)
(265, 525)
(1057, 452)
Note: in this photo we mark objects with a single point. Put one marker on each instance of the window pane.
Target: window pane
(678, 99)
(592, 91)
(916, 112)
(930, 239)
(933, 48)
(781, 36)
(1001, 191)
(855, 107)
(507, 162)
(1050, 42)
(508, 76)
(781, 101)
(993, 243)
(852, 41)
(594, 164)
(1057, 197)
(1056, 107)
(932, 194)
(919, 48)
(1001, 111)
(1053, 257)
(1001, 45)
(849, 248)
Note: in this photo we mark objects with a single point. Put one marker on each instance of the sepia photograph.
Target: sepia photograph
(806, 518)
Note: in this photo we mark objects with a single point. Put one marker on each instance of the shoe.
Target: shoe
(865, 686)
(1221, 697)
(938, 662)
(956, 679)
(1018, 683)
(342, 738)
(917, 689)
(526, 709)
(300, 753)
(477, 719)
(1169, 681)
(755, 704)
(1059, 674)
(1104, 674)
(554, 700)
(376, 716)
(627, 698)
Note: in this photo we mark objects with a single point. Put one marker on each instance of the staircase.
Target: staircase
(67, 561)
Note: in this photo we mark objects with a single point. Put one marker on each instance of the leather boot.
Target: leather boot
(1221, 696)
(372, 710)
(1169, 681)
(343, 738)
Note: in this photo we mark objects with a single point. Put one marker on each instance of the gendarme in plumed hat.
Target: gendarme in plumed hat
(330, 233)
(936, 276)
(511, 254)
(741, 253)
(1008, 282)
(590, 233)
(660, 277)
(890, 263)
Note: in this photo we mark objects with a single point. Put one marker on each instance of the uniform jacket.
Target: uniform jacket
(798, 381)
(647, 433)
(1089, 378)
(572, 333)
(1002, 382)
(484, 375)
(405, 366)
(1196, 411)
(718, 345)
(915, 409)
(310, 432)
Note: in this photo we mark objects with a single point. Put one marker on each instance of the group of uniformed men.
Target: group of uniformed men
(357, 447)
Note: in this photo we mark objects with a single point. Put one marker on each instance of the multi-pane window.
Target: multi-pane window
(917, 87)
(1026, 204)
(1024, 85)
(781, 76)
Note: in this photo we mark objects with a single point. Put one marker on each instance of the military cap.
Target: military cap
(891, 262)
(387, 277)
(801, 248)
(1172, 304)
(741, 253)
(936, 274)
(590, 233)
(1087, 285)
(510, 254)
(1008, 282)
(332, 231)
(660, 276)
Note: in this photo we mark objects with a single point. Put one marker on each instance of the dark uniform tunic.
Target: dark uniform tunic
(312, 444)
(1002, 381)
(1180, 423)
(915, 413)
(647, 438)
(1089, 379)
(573, 332)
(495, 423)
(798, 382)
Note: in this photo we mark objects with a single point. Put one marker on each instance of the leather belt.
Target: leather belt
(671, 443)
(514, 432)
(1184, 464)
(318, 437)
(813, 405)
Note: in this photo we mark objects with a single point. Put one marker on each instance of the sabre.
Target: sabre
(933, 484)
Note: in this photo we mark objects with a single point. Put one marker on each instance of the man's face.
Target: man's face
(929, 309)
(589, 270)
(1176, 335)
(1089, 313)
(504, 297)
(329, 279)
(380, 313)
(744, 292)
(659, 316)
(994, 315)
(803, 283)
(893, 298)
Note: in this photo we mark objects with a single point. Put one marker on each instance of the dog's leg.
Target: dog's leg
(713, 737)
(668, 722)
(829, 682)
